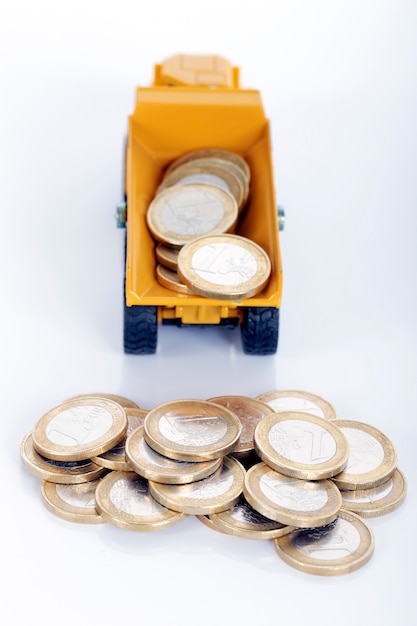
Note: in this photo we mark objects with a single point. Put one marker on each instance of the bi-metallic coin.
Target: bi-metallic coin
(73, 503)
(303, 401)
(379, 500)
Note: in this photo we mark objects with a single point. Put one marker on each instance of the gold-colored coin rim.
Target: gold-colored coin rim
(169, 278)
(178, 475)
(172, 496)
(208, 289)
(126, 403)
(374, 478)
(51, 450)
(60, 508)
(115, 516)
(167, 256)
(162, 234)
(41, 467)
(225, 522)
(221, 153)
(244, 444)
(290, 555)
(180, 452)
(323, 405)
(316, 471)
(382, 506)
(119, 461)
(229, 173)
(291, 517)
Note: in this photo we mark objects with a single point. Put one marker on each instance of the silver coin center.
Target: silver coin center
(224, 264)
(363, 496)
(79, 425)
(74, 496)
(215, 485)
(295, 495)
(302, 442)
(328, 543)
(158, 460)
(211, 179)
(132, 497)
(199, 430)
(192, 213)
(366, 453)
(289, 403)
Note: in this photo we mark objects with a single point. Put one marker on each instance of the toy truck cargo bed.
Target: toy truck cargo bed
(169, 121)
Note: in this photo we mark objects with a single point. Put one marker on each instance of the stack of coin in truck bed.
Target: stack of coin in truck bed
(282, 466)
(193, 217)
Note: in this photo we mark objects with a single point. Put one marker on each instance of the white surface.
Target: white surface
(339, 85)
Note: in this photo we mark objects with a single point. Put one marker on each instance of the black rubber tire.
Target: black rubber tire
(260, 330)
(140, 329)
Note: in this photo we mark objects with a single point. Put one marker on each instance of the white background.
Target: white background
(338, 81)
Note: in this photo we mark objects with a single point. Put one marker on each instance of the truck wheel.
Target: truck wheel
(260, 330)
(140, 329)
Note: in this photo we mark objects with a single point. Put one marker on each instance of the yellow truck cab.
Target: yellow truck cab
(194, 103)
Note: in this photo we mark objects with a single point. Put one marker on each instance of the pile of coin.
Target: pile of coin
(193, 217)
(281, 466)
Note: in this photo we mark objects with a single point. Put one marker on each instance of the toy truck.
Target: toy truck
(196, 102)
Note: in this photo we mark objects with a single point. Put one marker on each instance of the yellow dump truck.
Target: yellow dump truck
(194, 103)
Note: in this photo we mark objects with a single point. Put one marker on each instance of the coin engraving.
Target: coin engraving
(78, 495)
(132, 497)
(366, 453)
(302, 442)
(224, 264)
(192, 213)
(79, 425)
(337, 540)
(215, 485)
(293, 494)
(198, 430)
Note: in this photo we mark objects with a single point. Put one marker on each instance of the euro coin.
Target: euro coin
(215, 493)
(126, 403)
(123, 500)
(372, 457)
(250, 412)
(154, 466)
(341, 547)
(227, 267)
(79, 429)
(181, 213)
(377, 501)
(73, 503)
(300, 401)
(301, 445)
(71, 472)
(167, 256)
(115, 458)
(204, 153)
(242, 520)
(192, 430)
(291, 501)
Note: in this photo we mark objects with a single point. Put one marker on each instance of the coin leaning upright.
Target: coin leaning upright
(192, 430)
(225, 266)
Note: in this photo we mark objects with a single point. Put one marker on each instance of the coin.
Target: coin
(291, 400)
(181, 213)
(123, 500)
(215, 493)
(192, 430)
(79, 429)
(124, 402)
(167, 256)
(372, 458)
(242, 520)
(71, 472)
(151, 465)
(170, 279)
(340, 547)
(379, 500)
(250, 412)
(291, 501)
(73, 503)
(227, 267)
(301, 445)
(235, 158)
(115, 458)
(210, 171)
